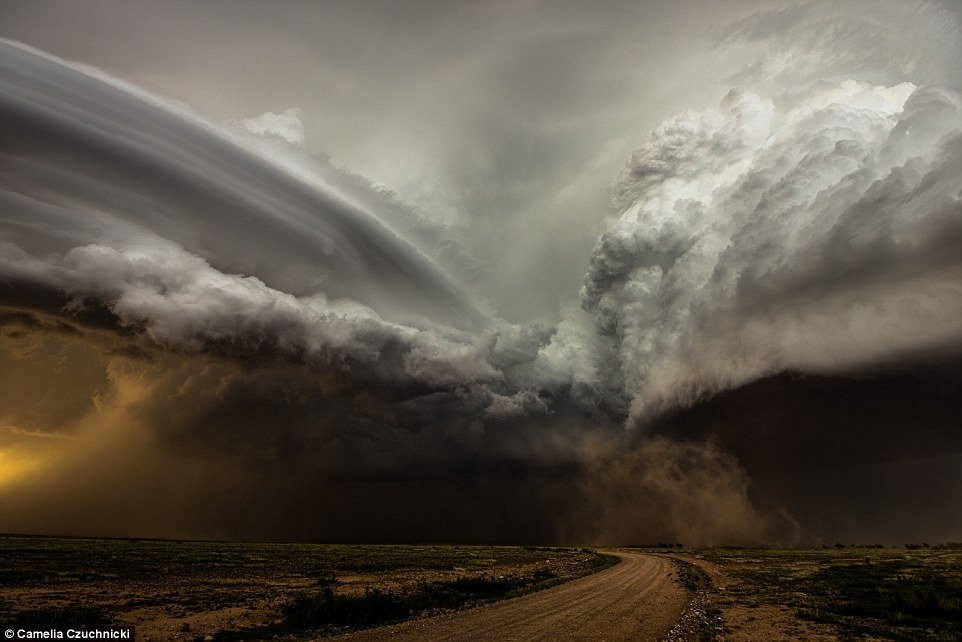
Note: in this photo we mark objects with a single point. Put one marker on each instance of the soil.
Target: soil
(751, 620)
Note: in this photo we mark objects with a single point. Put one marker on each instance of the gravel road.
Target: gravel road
(634, 600)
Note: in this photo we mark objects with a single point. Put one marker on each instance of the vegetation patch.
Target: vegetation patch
(328, 612)
(897, 598)
(374, 608)
(232, 591)
(896, 594)
(701, 620)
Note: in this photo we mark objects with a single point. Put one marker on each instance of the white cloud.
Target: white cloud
(820, 237)
(286, 125)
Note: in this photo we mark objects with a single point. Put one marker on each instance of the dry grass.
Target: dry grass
(895, 594)
(190, 590)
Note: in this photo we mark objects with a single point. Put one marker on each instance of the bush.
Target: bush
(327, 608)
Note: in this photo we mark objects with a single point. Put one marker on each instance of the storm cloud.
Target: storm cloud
(354, 313)
(752, 241)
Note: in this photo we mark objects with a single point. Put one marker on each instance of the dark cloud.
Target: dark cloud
(279, 449)
(861, 458)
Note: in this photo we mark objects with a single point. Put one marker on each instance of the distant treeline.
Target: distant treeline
(948, 546)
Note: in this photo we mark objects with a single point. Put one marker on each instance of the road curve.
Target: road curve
(634, 600)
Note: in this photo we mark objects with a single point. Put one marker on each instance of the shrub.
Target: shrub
(327, 608)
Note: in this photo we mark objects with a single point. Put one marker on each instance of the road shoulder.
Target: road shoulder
(724, 608)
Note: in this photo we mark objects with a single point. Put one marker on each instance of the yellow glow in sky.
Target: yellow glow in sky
(14, 464)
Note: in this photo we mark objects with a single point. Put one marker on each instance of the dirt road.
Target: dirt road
(633, 600)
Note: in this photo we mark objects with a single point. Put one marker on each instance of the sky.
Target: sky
(598, 273)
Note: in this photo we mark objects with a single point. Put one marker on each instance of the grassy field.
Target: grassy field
(851, 593)
(227, 591)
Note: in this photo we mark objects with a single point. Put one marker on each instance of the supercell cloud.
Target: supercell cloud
(820, 236)
(208, 329)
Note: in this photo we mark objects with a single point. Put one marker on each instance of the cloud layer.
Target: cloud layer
(261, 344)
(136, 166)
